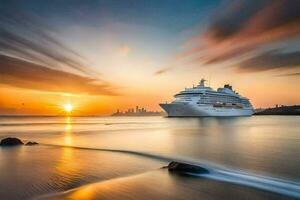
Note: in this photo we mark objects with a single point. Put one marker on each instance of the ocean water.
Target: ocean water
(253, 157)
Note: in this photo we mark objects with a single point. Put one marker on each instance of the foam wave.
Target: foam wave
(271, 184)
(280, 186)
(148, 155)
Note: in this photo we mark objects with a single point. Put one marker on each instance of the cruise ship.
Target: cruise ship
(202, 101)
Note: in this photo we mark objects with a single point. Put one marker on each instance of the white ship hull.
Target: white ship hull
(192, 110)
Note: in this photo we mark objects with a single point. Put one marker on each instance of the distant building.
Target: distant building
(137, 112)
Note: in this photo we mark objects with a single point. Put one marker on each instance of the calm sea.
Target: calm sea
(263, 148)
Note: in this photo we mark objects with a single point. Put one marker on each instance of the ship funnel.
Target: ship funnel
(228, 86)
(201, 83)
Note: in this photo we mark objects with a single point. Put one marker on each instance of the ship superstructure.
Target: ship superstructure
(204, 101)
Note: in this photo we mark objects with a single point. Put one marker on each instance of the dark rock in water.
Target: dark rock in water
(186, 168)
(31, 143)
(11, 142)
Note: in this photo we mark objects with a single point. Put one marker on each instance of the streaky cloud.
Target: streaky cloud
(296, 74)
(45, 63)
(25, 36)
(27, 75)
(162, 71)
(271, 60)
(233, 18)
(244, 28)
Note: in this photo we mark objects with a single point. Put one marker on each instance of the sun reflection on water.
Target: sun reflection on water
(67, 166)
(68, 140)
(85, 193)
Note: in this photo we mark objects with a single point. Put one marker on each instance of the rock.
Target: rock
(186, 168)
(31, 143)
(11, 142)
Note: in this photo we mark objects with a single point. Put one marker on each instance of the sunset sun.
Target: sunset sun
(68, 108)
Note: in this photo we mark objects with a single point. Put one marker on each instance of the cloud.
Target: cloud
(162, 71)
(32, 57)
(250, 25)
(253, 18)
(25, 36)
(23, 74)
(297, 74)
(243, 28)
(270, 60)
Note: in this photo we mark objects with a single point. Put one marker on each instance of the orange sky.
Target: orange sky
(262, 93)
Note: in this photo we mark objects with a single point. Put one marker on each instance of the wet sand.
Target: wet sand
(30, 171)
(49, 172)
(161, 184)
